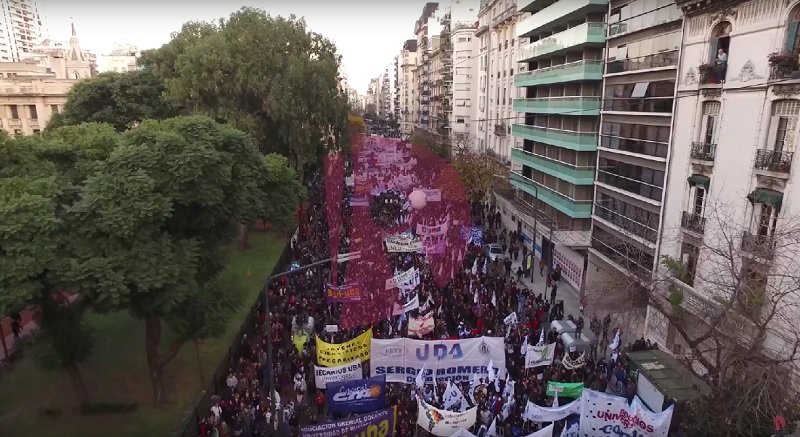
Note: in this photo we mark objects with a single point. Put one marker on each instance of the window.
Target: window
(641, 181)
(33, 112)
(689, 258)
(792, 37)
(640, 97)
(626, 216)
(460, 120)
(636, 138)
(783, 125)
(710, 118)
(699, 200)
(14, 112)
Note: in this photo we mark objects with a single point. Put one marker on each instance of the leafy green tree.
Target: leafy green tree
(270, 77)
(154, 223)
(122, 100)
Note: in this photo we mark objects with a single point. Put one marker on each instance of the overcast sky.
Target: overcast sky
(367, 33)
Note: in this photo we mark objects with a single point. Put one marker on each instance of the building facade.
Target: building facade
(373, 90)
(385, 95)
(122, 58)
(560, 91)
(407, 90)
(22, 28)
(463, 75)
(730, 199)
(66, 61)
(643, 52)
(425, 28)
(29, 95)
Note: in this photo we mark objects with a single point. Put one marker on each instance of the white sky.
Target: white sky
(368, 34)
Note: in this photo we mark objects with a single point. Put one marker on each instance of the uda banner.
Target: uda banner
(345, 293)
(442, 422)
(357, 396)
(401, 359)
(329, 354)
(611, 416)
(327, 375)
(380, 423)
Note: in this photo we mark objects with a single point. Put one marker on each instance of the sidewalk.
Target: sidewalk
(28, 327)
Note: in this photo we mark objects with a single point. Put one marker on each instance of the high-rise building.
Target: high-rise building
(553, 171)
(729, 215)
(22, 27)
(385, 96)
(406, 88)
(497, 65)
(642, 56)
(425, 28)
(371, 104)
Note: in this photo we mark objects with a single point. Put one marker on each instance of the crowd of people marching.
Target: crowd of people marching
(473, 302)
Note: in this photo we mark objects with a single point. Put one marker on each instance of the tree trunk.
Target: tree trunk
(156, 361)
(244, 237)
(78, 384)
(199, 361)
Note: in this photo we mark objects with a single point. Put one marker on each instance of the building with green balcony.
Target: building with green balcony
(561, 73)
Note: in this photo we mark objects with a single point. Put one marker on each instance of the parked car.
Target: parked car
(494, 252)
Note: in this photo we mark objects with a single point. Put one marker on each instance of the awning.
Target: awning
(768, 197)
(701, 180)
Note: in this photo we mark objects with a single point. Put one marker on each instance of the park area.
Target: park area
(36, 403)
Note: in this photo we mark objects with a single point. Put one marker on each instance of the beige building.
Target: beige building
(66, 61)
(407, 90)
(29, 95)
(121, 59)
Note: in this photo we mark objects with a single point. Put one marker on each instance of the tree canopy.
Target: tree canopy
(270, 77)
(122, 100)
(477, 174)
(137, 221)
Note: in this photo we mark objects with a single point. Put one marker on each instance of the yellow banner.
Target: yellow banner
(330, 355)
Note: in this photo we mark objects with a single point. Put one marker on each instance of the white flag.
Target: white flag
(508, 391)
(452, 396)
(492, 375)
(485, 263)
(420, 379)
(475, 298)
(494, 300)
(541, 338)
(555, 400)
(475, 267)
(615, 343)
(492, 431)
(524, 348)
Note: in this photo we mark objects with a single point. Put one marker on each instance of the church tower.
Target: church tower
(78, 63)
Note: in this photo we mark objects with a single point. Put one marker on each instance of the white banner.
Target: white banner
(345, 372)
(611, 416)
(537, 356)
(400, 278)
(408, 306)
(547, 431)
(419, 326)
(444, 423)
(403, 243)
(511, 319)
(458, 360)
(432, 195)
(537, 413)
(429, 231)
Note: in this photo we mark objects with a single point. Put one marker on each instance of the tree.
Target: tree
(122, 100)
(39, 182)
(155, 220)
(462, 142)
(477, 174)
(270, 77)
(728, 298)
(431, 141)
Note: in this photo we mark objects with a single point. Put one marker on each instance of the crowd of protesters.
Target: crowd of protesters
(297, 303)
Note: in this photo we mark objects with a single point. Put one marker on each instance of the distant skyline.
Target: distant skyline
(368, 34)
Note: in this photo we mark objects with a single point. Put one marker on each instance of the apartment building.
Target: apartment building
(21, 28)
(463, 75)
(497, 65)
(372, 97)
(560, 91)
(396, 69)
(729, 214)
(123, 58)
(31, 94)
(406, 87)
(440, 54)
(385, 96)
(643, 52)
(425, 28)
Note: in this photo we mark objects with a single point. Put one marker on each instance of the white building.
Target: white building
(121, 59)
(464, 116)
(497, 65)
(425, 28)
(21, 28)
(730, 198)
(407, 102)
(385, 95)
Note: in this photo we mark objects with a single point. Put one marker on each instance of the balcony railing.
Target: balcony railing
(712, 74)
(509, 13)
(775, 161)
(500, 129)
(703, 151)
(693, 222)
(759, 245)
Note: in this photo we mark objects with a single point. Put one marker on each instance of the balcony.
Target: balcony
(774, 161)
(712, 76)
(693, 222)
(762, 246)
(481, 30)
(500, 129)
(703, 152)
(567, 205)
(559, 105)
(557, 14)
(571, 173)
(571, 39)
(505, 16)
(572, 72)
(573, 140)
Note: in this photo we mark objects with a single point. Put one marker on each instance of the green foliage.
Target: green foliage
(432, 142)
(207, 313)
(122, 100)
(283, 190)
(270, 77)
(67, 339)
(675, 297)
(677, 269)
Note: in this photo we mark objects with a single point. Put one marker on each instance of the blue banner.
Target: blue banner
(359, 396)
